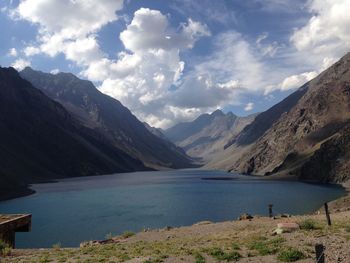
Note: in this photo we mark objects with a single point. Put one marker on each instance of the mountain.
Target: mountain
(208, 134)
(40, 140)
(108, 117)
(305, 136)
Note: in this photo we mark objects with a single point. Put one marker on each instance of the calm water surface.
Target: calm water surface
(79, 209)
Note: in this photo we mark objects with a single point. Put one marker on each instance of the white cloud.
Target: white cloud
(31, 51)
(20, 64)
(13, 52)
(327, 33)
(67, 18)
(295, 81)
(292, 82)
(249, 106)
(66, 24)
(141, 80)
(150, 29)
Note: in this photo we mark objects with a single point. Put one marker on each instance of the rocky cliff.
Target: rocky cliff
(304, 136)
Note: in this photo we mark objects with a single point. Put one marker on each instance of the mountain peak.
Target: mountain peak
(217, 113)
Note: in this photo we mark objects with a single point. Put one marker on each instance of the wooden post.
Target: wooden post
(319, 248)
(327, 214)
(270, 210)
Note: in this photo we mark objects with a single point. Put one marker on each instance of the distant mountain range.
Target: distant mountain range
(208, 134)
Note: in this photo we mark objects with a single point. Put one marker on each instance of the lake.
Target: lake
(86, 208)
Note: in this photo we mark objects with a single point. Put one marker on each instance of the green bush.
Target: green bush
(219, 254)
(235, 246)
(308, 224)
(199, 258)
(290, 255)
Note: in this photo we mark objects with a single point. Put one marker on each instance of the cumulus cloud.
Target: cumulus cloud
(296, 81)
(142, 79)
(20, 64)
(150, 29)
(65, 24)
(327, 33)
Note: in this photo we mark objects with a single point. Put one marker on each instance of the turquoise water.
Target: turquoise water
(79, 209)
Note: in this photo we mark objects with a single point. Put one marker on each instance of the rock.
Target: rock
(286, 227)
(245, 217)
(285, 215)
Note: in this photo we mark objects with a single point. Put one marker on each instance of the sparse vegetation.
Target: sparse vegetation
(219, 254)
(5, 249)
(265, 246)
(56, 246)
(308, 224)
(198, 257)
(235, 246)
(291, 255)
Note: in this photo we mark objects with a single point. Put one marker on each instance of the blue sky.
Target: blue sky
(169, 61)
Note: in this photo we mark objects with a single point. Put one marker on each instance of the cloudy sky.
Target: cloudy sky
(169, 61)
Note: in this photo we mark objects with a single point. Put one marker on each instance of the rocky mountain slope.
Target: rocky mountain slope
(305, 136)
(108, 117)
(208, 134)
(40, 140)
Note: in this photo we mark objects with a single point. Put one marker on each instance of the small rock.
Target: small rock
(245, 217)
(287, 227)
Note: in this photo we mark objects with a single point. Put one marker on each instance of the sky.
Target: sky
(169, 61)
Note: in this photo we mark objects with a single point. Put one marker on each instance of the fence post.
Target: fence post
(270, 210)
(319, 248)
(327, 214)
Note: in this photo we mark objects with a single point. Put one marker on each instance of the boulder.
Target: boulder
(286, 227)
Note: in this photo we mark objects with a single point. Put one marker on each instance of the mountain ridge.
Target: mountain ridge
(312, 123)
(40, 140)
(208, 133)
(109, 117)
